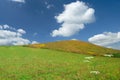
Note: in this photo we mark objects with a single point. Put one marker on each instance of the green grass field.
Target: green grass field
(23, 63)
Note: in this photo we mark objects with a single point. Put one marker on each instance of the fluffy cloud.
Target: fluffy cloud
(19, 1)
(21, 31)
(73, 18)
(6, 27)
(107, 39)
(11, 36)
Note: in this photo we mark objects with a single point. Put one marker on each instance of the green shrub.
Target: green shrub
(116, 55)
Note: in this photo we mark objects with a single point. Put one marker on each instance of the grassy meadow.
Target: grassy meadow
(24, 63)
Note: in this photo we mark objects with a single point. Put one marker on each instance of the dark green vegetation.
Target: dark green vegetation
(23, 63)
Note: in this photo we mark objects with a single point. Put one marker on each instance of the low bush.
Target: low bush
(116, 55)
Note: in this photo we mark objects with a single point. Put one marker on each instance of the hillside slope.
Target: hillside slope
(24, 63)
(79, 47)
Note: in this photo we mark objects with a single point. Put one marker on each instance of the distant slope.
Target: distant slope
(78, 47)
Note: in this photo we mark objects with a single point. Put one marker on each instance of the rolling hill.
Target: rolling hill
(25, 63)
(76, 46)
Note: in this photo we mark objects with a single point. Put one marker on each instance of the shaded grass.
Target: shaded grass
(22, 63)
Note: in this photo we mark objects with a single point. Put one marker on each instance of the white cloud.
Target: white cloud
(21, 31)
(34, 42)
(107, 39)
(74, 39)
(73, 18)
(8, 33)
(10, 36)
(19, 1)
(6, 27)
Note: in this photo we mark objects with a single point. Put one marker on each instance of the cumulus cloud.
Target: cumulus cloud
(73, 19)
(19, 1)
(6, 27)
(21, 31)
(107, 39)
(11, 36)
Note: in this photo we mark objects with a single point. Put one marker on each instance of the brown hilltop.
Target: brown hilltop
(76, 46)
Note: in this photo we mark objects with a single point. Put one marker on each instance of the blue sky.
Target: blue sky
(37, 19)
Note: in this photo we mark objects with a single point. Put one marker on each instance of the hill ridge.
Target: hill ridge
(77, 46)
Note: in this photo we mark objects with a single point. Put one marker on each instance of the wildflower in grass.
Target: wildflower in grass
(86, 61)
(94, 72)
(90, 57)
(108, 55)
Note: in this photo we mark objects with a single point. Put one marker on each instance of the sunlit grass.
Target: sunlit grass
(81, 47)
(22, 63)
